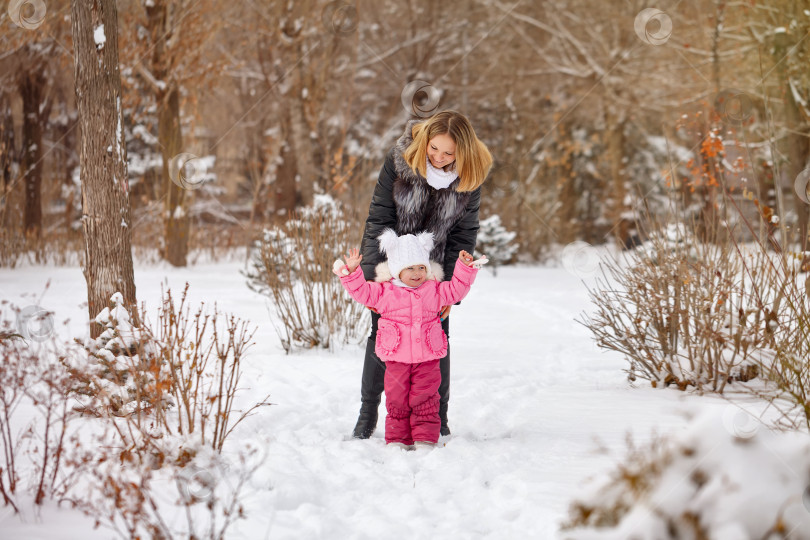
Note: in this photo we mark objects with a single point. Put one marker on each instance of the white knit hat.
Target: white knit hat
(406, 250)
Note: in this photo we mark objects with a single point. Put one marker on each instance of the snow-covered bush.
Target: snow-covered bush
(123, 372)
(178, 489)
(293, 265)
(495, 242)
(161, 401)
(683, 312)
(725, 477)
(778, 284)
(188, 363)
(688, 313)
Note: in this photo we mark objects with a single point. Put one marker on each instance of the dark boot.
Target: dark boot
(372, 384)
(367, 421)
(444, 387)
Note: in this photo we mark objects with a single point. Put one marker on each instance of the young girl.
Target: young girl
(410, 339)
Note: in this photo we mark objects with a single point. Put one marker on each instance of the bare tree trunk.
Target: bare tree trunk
(305, 163)
(563, 170)
(66, 162)
(255, 169)
(797, 152)
(286, 190)
(32, 85)
(795, 144)
(8, 155)
(176, 219)
(7, 149)
(103, 160)
(255, 163)
(614, 132)
(176, 222)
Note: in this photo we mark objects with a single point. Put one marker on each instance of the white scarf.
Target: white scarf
(439, 178)
(399, 283)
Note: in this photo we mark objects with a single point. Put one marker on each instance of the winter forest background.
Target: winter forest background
(593, 112)
(656, 151)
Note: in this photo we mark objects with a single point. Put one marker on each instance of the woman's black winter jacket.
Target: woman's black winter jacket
(405, 202)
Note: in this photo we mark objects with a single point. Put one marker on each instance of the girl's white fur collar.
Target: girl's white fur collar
(383, 274)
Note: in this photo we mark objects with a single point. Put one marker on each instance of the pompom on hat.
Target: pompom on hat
(406, 250)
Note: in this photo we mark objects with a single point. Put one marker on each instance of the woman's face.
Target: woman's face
(441, 150)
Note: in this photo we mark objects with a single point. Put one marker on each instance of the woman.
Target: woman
(431, 181)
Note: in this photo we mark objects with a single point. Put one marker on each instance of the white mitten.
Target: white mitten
(339, 268)
(480, 262)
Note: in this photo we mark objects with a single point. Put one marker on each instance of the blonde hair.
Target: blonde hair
(473, 159)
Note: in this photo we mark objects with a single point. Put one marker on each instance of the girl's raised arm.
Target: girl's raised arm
(365, 292)
(457, 288)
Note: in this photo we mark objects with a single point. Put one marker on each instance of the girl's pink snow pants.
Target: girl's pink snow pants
(412, 401)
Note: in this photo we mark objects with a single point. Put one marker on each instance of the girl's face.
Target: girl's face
(441, 150)
(413, 276)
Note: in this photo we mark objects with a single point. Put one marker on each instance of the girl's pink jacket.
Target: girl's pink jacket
(409, 329)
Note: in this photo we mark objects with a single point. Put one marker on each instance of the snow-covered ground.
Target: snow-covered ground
(535, 410)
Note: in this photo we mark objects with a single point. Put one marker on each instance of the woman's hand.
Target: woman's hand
(445, 312)
(465, 257)
(353, 259)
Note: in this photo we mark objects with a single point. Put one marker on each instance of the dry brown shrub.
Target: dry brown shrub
(293, 266)
(684, 312)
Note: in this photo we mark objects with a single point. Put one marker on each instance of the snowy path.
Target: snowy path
(533, 401)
